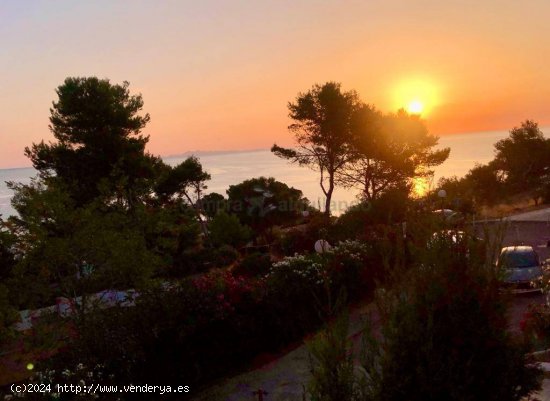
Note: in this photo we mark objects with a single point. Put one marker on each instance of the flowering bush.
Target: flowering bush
(199, 329)
(347, 265)
(352, 265)
(308, 285)
(298, 270)
(51, 384)
(215, 295)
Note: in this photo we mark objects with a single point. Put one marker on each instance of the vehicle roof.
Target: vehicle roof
(517, 249)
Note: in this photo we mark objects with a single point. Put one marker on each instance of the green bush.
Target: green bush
(353, 223)
(203, 259)
(301, 239)
(8, 315)
(294, 241)
(226, 255)
(210, 325)
(445, 335)
(226, 229)
(253, 265)
(333, 370)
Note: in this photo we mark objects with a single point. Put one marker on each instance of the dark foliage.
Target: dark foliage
(99, 148)
(445, 334)
(253, 265)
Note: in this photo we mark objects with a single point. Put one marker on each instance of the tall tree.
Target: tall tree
(100, 149)
(186, 181)
(322, 128)
(523, 157)
(389, 151)
(485, 182)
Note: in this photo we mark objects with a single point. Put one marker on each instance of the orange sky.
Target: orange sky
(218, 75)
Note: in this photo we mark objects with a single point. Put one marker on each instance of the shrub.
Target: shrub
(210, 325)
(295, 240)
(253, 265)
(226, 229)
(188, 334)
(226, 255)
(8, 315)
(192, 262)
(301, 239)
(445, 336)
(536, 326)
(353, 223)
(307, 284)
(333, 371)
(354, 266)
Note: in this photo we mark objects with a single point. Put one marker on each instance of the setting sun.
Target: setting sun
(415, 107)
(416, 95)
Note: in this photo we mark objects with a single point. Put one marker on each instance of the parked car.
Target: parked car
(521, 267)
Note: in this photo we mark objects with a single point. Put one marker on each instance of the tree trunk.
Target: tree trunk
(329, 194)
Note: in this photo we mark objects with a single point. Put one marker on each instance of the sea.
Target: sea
(230, 168)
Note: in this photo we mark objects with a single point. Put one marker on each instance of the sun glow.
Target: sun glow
(415, 107)
(417, 96)
(421, 186)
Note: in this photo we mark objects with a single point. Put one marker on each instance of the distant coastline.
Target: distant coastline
(211, 153)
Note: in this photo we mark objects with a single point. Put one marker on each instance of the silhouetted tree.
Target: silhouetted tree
(186, 180)
(99, 148)
(323, 129)
(389, 151)
(459, 194)
(523, 157)
(212, 204)
(263, 202)
(226, 229)
(485, 182)
(93, 201)
(7, 254)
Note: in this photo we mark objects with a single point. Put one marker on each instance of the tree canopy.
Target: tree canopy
(354, 145)
(388, 152)
(322, 127)
(263, 202)
(521, 167)
(99, 149)
(185, 180)
(99, 199)
(523, 157)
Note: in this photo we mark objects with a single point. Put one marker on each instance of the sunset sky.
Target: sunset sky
(217, 75)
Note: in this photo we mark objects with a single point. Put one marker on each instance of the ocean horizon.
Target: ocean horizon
(232, 167)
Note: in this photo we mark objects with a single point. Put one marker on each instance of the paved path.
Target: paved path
(284, 379)
(544, 394)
